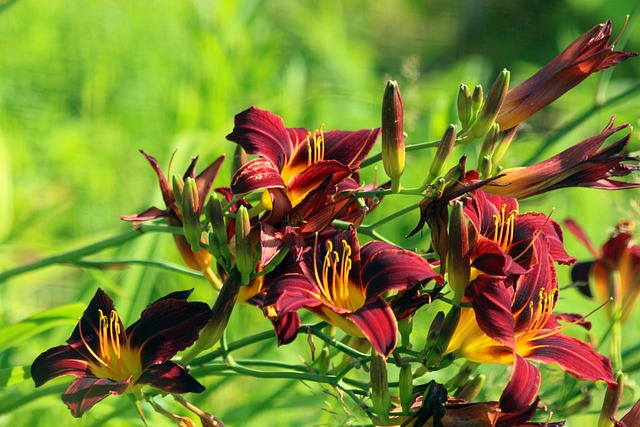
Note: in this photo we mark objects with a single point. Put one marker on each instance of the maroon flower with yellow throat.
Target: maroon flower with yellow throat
(511, 324)
(108, 359)
(505, 239)
(293, 162)
(345, 284)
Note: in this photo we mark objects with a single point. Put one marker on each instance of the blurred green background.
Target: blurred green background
(85, 85)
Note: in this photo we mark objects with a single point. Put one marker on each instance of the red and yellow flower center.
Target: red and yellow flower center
(113, 359)
(539, 317)
(333, 279)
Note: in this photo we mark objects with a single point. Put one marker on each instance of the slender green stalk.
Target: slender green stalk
(115, 263)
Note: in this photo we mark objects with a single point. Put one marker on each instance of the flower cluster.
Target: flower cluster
(283, 236)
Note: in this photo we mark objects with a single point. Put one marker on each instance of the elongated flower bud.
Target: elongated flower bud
(379, 385)
(405, 326)
(244, 251)
(405, 382)
(442, 153)
(435, 356)
(191, 214)
(471, 389)
(178, 188)
(434, 330)
(393, 151)
(240, 157)
(486, 151)
(491, 107)
(503, 142)
(476, 101)
(218, 236)
(458, 263)
(465, 112)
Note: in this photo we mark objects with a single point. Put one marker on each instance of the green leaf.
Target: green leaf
(11, 376)
(16, 334)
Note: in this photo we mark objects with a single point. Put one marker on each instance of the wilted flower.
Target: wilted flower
(107, 359)
(588, 54)
(582, 165)
(343, 284)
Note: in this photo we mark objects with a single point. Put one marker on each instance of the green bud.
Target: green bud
(244, 251)
(491, 107)
(449, 326)
(485, 166)
(379, 385)
(218, 236)
(476, 101)
(240, 157)
(434, 330)
(437, 345)
(464, 106)
(504, 141)
(178, 188)
(393, 151)
(490, 143)
(611, 402)
(191, 210)
(442, 153)
(471, 389)
(405, 326)
(405, 382)
(458, 263)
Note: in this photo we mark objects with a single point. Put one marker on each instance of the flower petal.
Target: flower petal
(262, 132)
(518, 399)
(170, 377)
(349, 148)
(574, 356)
(387, 267)
(291, 292)
(377, 322)
(166, 327)
(255, 175)
(85, 392)
(56, 362)
(491, 300)
(286, 327)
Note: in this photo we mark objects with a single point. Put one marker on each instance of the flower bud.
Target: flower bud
(191, 214)
(405, 386)
(458, 263)
(464, 106)
(442, 153)
(178, 189)
(471, 389)
(434, 329)
(476, 101)
(491, 107)
(435, 356)
(240, 157)
(393, 151)
(503, 141)
(244, 251)
(186, 422)
(379, 385)
(488, 147)
(218, 236)
(405, 326)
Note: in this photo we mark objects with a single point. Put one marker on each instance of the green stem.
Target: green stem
(151, 263)
(75, 254)
(390, 217)
(317, 331)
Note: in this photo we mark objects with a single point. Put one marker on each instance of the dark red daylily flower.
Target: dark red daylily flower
(588, 54)
(293, 162)
(505, 240)
(509, 323)
(343, 284)
(582, 165)
(615, 271)
(107, 359)
(202, 259)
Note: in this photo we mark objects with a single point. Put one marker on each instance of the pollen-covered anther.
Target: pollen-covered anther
(504, 226)
(315, 146)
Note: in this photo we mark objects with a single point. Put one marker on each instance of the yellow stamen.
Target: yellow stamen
(315, 149)
(504, 227)
(334, 289)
